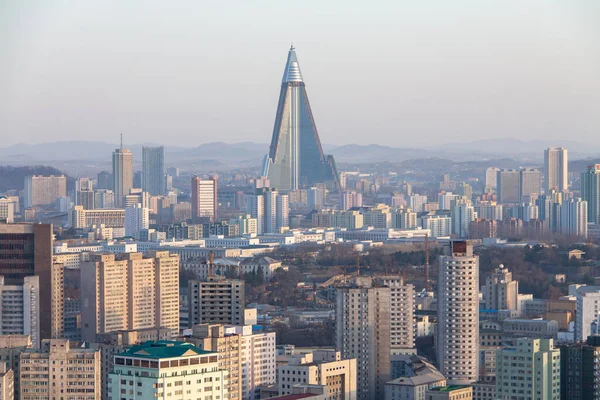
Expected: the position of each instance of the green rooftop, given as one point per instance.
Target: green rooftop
(164, 349)
(449, 388)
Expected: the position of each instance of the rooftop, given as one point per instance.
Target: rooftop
(164, 349)
(449, 388)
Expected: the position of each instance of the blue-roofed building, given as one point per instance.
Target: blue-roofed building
(167, 370)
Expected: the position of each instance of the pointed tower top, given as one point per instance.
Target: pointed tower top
(292, 68)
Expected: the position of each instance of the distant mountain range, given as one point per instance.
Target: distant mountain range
(229, 155)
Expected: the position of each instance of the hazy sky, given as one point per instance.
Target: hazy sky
(397, 72)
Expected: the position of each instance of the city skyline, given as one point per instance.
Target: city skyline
(473, 88)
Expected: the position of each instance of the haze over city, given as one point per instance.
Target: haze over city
(400, 73)
(300, 200)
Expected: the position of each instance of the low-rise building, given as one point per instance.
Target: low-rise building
(534, 328)
(322, 367)
(453, 392)
(413, 376)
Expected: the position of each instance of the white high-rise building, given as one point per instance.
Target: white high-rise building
(271, 210)
(204, 198)
(463, 213)
(588, 311)
(458, 314)
(20, 309)
(363, 313)
(489, 210)
(574, 218)
(350, 199)
(491, 177)
(136, 219)
(259, 363)
(255, 207)
(402, 313)
(530, 184)
(439, 225)
(44, 190)
(417, 201)
(122, 174)
(556, 169)
(445, 200)
(404, 219)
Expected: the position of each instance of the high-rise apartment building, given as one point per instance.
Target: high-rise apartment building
(104, 180)
(324, 368)
(136, 219)
(530, 370)
(574, 218)
(204, 198)
(153, 170)
(462, 213)
(402, 313)
(315, 198)
(58, 370)
(363, 332)
(350, 199)
(44, 190)
(270, 208)
(590, 192)
(489, 210)
(580, 370)
(258, 359)
(212, 337)
(27, 251)
(122, 174)
(458, 313)
(216, 301)
(296, 158)
(129, 291)
(20, 308)
(501, 291)
(530, 184)
(491, 177)
(417, 202)
(587, 312)
(438, 225)
(246, 224)
(445, 200)
(508, 186)
(556, 169)
(404, 219)
(167, 370)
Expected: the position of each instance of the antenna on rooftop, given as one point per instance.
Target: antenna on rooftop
(121, 141)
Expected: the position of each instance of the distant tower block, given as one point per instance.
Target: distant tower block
(296, 158)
